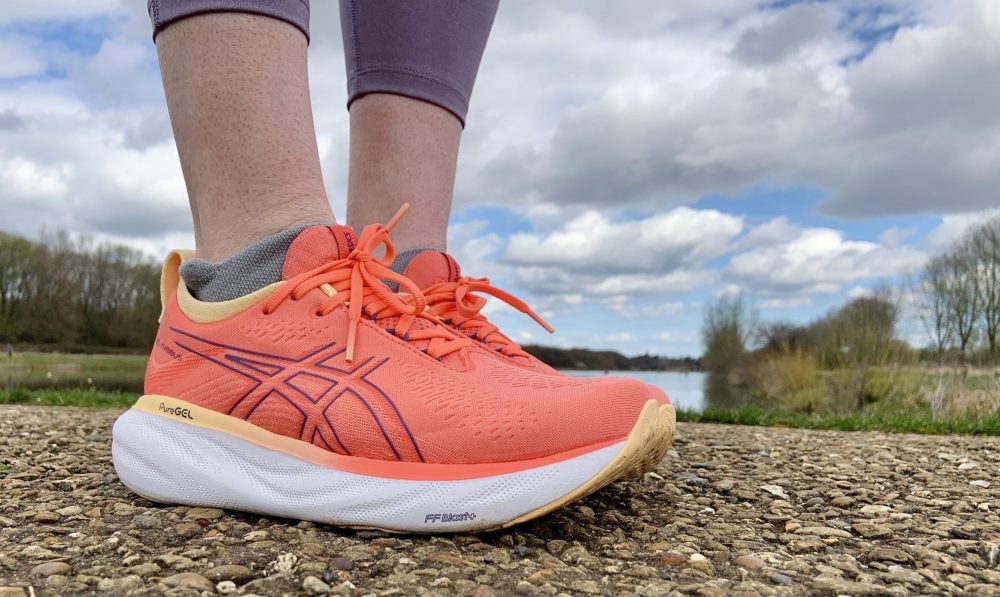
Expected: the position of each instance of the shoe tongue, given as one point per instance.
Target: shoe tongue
(315, 246)
(430, 267)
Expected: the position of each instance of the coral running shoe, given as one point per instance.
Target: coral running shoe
(327, 397)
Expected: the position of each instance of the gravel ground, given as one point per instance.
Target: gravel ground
(731, 510)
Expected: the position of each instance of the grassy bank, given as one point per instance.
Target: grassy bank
(895, 421)
(57, 360)
(85, 397)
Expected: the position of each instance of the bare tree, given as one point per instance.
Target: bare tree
(962, 271)
(985, 244)
(932, 292)
(727, 328)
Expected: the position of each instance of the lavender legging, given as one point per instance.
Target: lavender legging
(424, 49)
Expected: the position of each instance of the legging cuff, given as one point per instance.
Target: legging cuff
(165, 12)
(409, 83)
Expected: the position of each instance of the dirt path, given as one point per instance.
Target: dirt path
(732, 510)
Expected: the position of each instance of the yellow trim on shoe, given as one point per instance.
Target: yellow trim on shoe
(204, 312)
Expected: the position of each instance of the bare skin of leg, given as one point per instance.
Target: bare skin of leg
(238, 96)
(402, 149)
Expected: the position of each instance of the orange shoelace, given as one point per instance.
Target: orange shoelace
(456, 305)
(357, 282)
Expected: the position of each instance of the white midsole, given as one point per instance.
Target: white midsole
(173, 462)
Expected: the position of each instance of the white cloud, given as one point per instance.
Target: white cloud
(656, 119)
(629, 308)
(592, 242)
(817, 261)
(953, 226)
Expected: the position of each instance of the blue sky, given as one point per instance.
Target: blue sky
(621, 166)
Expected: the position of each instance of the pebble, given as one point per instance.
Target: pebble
(672, 558)
(750, 562)
(875, 509)
(189, 580)
(889, 554)
(315, 586)
(872, 531)
(234, 572)
(50, 568)
(775, 490)
(781, 579)
(206, 513)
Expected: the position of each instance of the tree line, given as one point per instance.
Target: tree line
(958, 295)
(75, 294)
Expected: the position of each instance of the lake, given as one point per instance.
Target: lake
(692, 391)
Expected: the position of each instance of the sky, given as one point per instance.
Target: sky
(623, 164)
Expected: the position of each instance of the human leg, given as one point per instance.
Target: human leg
(411, 69)
(238, 96)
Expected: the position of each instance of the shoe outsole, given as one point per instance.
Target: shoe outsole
(647, 444)
(137, 452)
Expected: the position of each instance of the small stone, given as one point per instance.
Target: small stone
(69, 511)
(143, 570)
(780, 579)
(806, 545)
(672, 558)
(967, 466)
(189, 580)
(187, 529)
(875, 509)
(206, 513)
(122, 509)
(980, 483)
(556, 546)
(147, 522)
(341, 563)
(226, 587)
(11, 592)
(45, 516)
(175, 562)
(872, 531)
(750, 562)
(50, 568)
(725, 485)
(701, 564)
(842, 501)
(234, 572)
(823, 532)
(315, 586)
(483, 591)
(816, 501)
(588, 587)
(889, 554)
(524, 587)
(775, 490)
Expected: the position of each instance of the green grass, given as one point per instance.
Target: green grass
(87, 397)
(888, 421)
(81, 361)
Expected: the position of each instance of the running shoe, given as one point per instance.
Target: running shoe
(328, 397)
